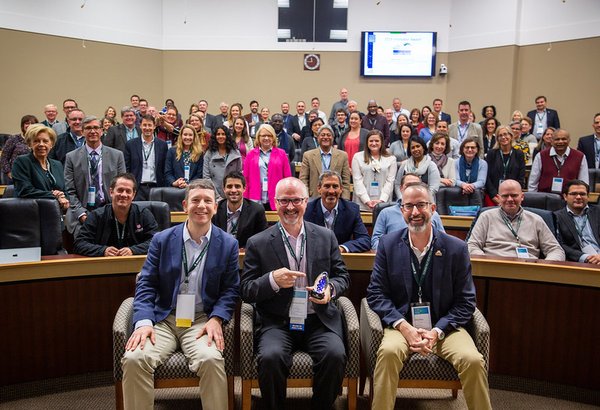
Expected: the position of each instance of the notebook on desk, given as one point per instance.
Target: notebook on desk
(18, 255)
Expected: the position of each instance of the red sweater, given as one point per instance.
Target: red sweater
(568, 171)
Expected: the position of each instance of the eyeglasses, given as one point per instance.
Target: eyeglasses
(76, 119)
(92, 128)
(287, 201)
(470, 148)
(513, 196)
(581, 194)
(420, 206)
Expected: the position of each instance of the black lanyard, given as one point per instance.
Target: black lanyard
(556, 163)
(290, 249)
(420, 276)
(505, 164)
(195, 264)
(511, 229)
(148, 152)
(120, 234)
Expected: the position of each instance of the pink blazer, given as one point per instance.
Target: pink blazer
(278, 168)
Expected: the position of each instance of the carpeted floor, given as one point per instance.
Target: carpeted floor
(70, 393)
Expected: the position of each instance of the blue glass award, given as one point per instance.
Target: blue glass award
(320, 285)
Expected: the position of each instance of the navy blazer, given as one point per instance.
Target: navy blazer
(158, 284)
(568, 237)
(64, 145)
(390, 291)
(551, 119)
(174, 167)
(134, 160)
(265, 252)
(586, 145)
(348, 227)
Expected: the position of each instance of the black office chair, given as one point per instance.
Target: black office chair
(9, 192)
(160, 210)
(453, 196)
(380, 207)
(171, 195)
(543, 200)
(28, 223)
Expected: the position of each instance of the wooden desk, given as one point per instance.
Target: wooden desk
(2, 188)
(543, 316)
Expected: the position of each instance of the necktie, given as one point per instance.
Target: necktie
(95, 175)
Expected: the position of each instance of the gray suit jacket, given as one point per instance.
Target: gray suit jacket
(473, 130)
(77, 179)
(116, 137)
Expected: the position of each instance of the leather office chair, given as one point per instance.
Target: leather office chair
(175, 371)
(28, 223)
(171, 195)
(431, 371)
(543, 200)
(301, 371)
(447, 196)
(378, 208)
(594, 175)
(161, 212)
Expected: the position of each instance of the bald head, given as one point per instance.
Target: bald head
(511, 196)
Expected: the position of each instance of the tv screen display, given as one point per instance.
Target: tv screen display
(398, 54)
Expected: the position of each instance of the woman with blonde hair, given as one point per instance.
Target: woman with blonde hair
(197, 122)
(185, 160)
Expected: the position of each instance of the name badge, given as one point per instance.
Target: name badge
(522, 252)
(91, 196)
(169, 143)
(184, 312)
(539, 131)
(298, 309)
(265, 184)
(374, 190)
(186, 172)
(557, 184)
(421, 315)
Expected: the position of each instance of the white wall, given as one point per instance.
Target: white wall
(252, 24)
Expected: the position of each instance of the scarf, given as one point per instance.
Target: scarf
(440, 161)
(463, 166)
(419, 170)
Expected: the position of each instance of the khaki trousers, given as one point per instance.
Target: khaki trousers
(457, 348)
(207, 362)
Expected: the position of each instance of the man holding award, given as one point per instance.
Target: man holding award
(292, 271)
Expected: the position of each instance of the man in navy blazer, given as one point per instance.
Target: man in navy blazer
(542, 117)
(590, 145)
(145, 158)
(337, 214)
(187, 289)
(422, 289)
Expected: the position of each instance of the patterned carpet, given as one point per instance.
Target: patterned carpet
(95, 391)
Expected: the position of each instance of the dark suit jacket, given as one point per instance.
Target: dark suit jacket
(134, 159)
(77, 179)
(296, 125)
(158, 284)
(390, 291)
(446, 117)
(210, 122)
(265, 252)
(567, 233)
(586, 145)
(174, 168)
(30, 179)
(551, 119)
(64, 145)
(95, 235)
(116, 137)
(348, 227)
(252, 220)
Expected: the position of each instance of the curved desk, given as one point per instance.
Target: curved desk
(543, 315)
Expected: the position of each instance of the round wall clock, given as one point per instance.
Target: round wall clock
(312, 62)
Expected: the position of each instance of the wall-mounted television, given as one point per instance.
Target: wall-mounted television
(398, 54)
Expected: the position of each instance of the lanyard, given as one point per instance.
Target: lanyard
(505, 163)
(420, 277)
(464, 133)
(120, 234)
(147, 152)
(291, 250)
(186, 158)
(541, 117)
(510, 227)
(580, 228)
(194, 264)
(556, 164)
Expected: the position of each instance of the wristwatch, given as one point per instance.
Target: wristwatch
(440, 332)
